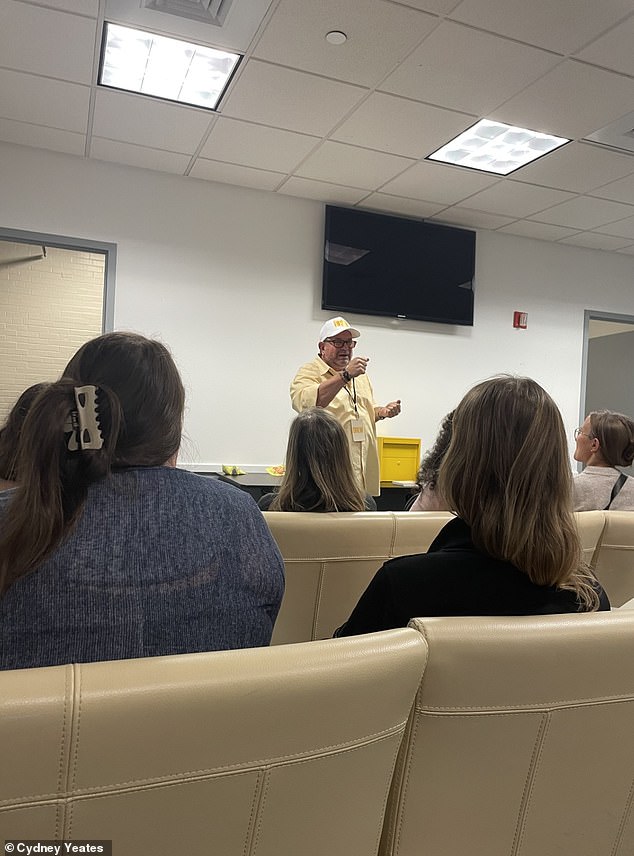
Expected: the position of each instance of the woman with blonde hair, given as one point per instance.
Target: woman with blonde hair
(604, 443)
(513, 548)
(319, 475)
(107, 551)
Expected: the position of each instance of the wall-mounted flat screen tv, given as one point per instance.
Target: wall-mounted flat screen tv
(375, 264)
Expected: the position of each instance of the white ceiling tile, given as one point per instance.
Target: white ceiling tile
(400, 205)
(619, 191)
(614, 50)
(40, 137)
(540, 231)
(27, 98)
(459, 216)
(42, 41)
(558, 25)
(438, 7)
(379, 36)
(584, 213)
(401, 126)
(438, 183)
(228, 173)
(80, 7)
(149, 122)
(628, 250)
(256, 145)
(484, 70)
(307, 188)
(352, 166)
(596, 241)
(294, 100)
(141, 156)
(577, 167)
(572, 100)
(620, 229)
(516, 200)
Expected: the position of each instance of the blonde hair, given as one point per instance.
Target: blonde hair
(319, 474)
(507, 474)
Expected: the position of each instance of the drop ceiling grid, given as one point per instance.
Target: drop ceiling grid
(352, 124)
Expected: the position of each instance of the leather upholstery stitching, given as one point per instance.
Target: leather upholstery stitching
(400, 813)
(61, 778)
(624, 820)
(320, 586)
(531, 775)
(457, 710)
(257, 791)
(248, 766)
(260, 810)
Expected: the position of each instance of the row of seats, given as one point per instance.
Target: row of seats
(331, 558)
(456, 736)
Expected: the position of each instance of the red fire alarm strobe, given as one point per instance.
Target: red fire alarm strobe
(520, 320)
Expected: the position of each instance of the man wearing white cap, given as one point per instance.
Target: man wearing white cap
(337, 380)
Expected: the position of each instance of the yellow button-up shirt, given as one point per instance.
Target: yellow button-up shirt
(364, 454)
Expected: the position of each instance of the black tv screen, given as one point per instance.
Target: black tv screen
(375, 264)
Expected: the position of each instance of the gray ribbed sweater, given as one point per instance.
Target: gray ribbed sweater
(161, 561)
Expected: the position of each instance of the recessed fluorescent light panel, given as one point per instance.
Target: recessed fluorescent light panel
(164, 67)
(495, 147)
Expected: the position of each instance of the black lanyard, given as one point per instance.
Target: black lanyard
(352, 396)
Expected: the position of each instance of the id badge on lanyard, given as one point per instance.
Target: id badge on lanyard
(358, 434)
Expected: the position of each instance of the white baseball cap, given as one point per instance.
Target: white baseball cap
(337, 325)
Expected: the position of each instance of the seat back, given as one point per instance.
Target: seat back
(331, 558)
(264, 751)
(590, 526)
(521, 742)
(613, 561)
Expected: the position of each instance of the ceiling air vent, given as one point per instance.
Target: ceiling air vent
(618, 135)
(206, 11)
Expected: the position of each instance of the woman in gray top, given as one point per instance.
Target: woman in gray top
(604, 442)
(107, 551)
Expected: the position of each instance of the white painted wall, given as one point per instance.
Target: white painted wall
(230, 279)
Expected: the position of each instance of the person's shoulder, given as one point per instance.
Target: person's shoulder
(187, 484)
(314, 368)
(265, 501)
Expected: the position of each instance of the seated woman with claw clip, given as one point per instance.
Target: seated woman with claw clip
(107, 551)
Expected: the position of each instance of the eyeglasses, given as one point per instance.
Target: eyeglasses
(580, 433)
(341, 343)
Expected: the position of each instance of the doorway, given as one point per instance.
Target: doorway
(608, 358)
(55, 294)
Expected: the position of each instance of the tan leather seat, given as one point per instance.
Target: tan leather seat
(274, 751)
(613, 561)
(521, 742)
(590, 526)
(331, 558)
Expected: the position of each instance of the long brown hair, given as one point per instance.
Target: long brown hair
(507, 474)
(319, 474)
(140, 402)
(615, 433)
(11, 430)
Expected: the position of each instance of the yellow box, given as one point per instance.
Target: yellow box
(399, 458)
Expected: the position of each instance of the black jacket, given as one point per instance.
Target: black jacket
(453, 578)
